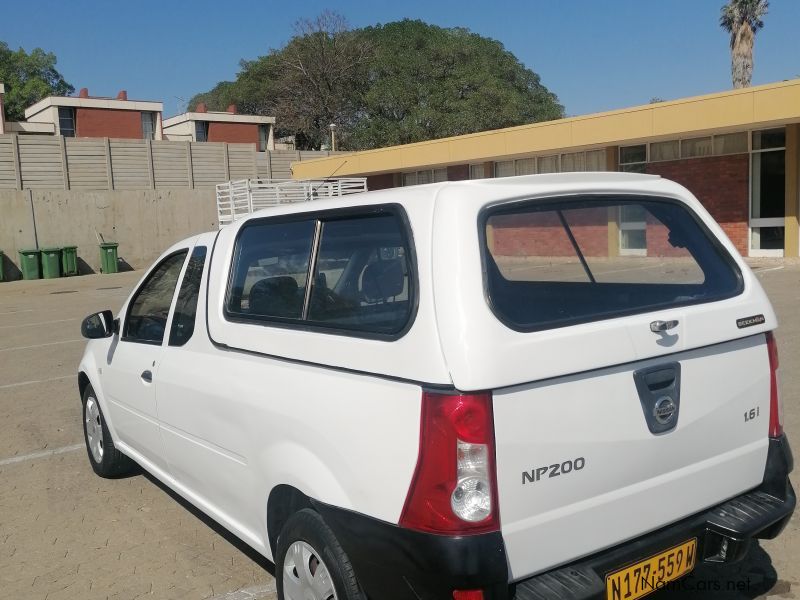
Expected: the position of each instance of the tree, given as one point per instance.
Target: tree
(427, 82)
(390, 84)
(29, 78)
(315, 80)
(742, 19)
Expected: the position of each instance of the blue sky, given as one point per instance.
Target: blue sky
(595, 55)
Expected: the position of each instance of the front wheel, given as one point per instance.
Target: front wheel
(105, 459)
(310, 563)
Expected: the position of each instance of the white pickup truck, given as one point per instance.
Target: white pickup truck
(467, 390)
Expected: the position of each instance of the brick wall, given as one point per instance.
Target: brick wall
(104, 122)
(380, 182)
(457, 172)
(235, 133)
(541, 234)
(721, 183)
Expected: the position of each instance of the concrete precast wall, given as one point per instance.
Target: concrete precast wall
(143, 222)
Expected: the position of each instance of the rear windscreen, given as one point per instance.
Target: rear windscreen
(562, 262)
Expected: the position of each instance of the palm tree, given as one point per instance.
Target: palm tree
(742, 19)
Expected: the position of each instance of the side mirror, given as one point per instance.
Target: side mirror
(99, 325)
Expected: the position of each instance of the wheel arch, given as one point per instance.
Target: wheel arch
(284, 500)
(83, 383)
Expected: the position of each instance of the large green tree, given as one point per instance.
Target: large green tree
(396, 83)
(28, 78)
(428, 82)
(742, 19)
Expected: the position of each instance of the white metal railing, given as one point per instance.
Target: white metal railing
(237, 199)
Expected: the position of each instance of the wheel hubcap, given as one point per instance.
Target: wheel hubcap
(94, 430)
(305, 575)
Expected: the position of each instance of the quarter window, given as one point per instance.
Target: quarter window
(361, 276)
(186, 306)
(147, 315)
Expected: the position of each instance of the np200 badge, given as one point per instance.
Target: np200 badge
(554, 470)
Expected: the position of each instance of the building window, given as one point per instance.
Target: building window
(731, 143)
(148, 125)
(201, 131)
(633, 159)
(525, 166)
(263, 137)
(632, 230)
(768, 192)
(504, 168)
(670, 150)
(66, 121)
(426, 176)
(595, 160)
(571, 162)
(548, 164)
(696, 147)
(477, 171)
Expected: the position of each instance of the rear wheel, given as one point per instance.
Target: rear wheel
(310, 563)
(105, 459)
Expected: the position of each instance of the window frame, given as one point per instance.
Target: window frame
(204, 126)
(150, 117)
(506, 207)
(124, 337)
(179, 288)
(318, 217)
(71, 117)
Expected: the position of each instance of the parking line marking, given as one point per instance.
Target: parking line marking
(34, 324)
(41, 345)
(11, 385)
(14, 312)
(757, 271)
(251, 593)
(42, 454)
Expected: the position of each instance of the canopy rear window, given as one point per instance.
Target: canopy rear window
(568, 261)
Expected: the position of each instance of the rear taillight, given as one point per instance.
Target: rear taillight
(467, 595)
(775, 404)
(454, 489)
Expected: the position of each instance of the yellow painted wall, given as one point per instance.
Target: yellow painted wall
(749, 108)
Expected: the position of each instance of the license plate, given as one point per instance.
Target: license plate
(648, 575)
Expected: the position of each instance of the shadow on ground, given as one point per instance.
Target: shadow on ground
(234, 541)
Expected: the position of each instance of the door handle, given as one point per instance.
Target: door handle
(661, 326)
(147, 376)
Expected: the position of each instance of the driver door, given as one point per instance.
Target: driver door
(133, 360)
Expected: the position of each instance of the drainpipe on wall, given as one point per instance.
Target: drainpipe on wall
(791, 225)
(2, 109)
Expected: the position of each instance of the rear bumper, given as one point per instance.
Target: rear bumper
(395, 563)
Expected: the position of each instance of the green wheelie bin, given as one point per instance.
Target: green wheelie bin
(69, 260)
(51, 263)
(108, 257)
(29, 264)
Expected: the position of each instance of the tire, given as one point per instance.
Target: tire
(306, 540)
(105, 459)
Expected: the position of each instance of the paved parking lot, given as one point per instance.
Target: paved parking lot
(65, 533)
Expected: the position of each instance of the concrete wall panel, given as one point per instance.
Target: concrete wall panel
(143, 222)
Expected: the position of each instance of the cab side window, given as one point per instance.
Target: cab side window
(186, 306)
(147, 316)
(341, 271)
